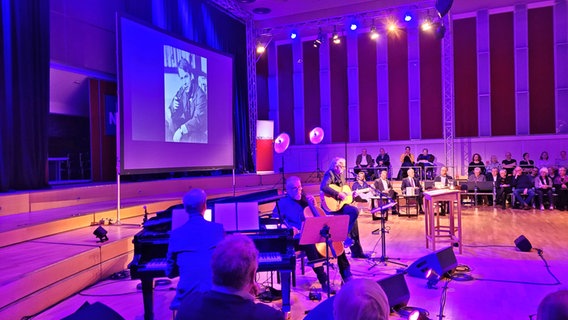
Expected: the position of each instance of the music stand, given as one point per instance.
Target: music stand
(326, 229)
(383, 209)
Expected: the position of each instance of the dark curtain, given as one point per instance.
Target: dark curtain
(24, 94)
(203, 23)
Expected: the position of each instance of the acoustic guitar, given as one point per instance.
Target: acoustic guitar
(336, 248)
(331, 204)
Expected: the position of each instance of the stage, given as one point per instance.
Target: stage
(507, 283)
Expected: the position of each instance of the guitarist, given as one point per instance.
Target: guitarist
(290, 210)
(334, 176)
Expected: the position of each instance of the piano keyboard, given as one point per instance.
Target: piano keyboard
(156, 264)
(269, 257)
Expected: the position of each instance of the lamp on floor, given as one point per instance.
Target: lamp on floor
(101, 234)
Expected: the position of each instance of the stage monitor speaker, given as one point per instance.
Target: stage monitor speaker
(441, 261)
(94, 311)
(523, 243)
(443, 7)
(396, 289)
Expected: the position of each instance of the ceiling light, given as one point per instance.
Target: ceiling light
(293, 35)
(426, 25)
(353, 27)
(335, 36)
(392, 26)
(407, 17)
(319, 40)
(260, 48)
(373, 33)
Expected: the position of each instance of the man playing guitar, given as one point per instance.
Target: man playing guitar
(333, 188)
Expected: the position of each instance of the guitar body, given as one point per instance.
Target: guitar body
(331, 204)
(313, 211)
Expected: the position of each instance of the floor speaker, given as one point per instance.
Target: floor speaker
(95, 311)
(523, 244)
(441, 261)
(396, 289)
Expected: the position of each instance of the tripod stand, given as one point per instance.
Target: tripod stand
(318, 174)
(383, 231)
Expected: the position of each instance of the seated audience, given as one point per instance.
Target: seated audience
(493, 163)
(362, 162)
(552, 173)
(492, 176)
(361, 299)
(290, 210)
(385, 186)
(447, 181)
(383, 160)
(360, 184)
(412, 182)
(562, 161)
(509, 163)
(234, 263)
(527, 164)
(543, 184)
(561, 188)
(523, 187)
(477, 176)
(554, 306)
(503, 187)
(544, 161)
(426, 162)
(476, 162)
(191, 246)
(406, 162)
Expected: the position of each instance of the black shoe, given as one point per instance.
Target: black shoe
(421, 211)
(394, 213)
(360, 256)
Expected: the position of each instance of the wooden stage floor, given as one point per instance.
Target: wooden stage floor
(508, 284)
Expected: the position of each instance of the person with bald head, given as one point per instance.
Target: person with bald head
(554, 306)
(361, 299)
(191, 246)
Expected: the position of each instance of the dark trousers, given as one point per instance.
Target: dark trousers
(562, 200)
(313, 254)
(502, 196)
(353, 228)
(540, 196)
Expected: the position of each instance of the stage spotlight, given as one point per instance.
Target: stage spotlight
(353, 27)
(407, 17)
(335, 36)
(433, 278)
(260, 48)
(373, 33)
(101, 234)
(392, 27)
(319, 39)
(293, 35)
(426, 25)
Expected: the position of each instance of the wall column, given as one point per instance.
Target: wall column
(521, 70)
(561, 64)
(383, 87)
(325, 91)
(414, 82)
(298, 78)
(483, 74)
(353, 87)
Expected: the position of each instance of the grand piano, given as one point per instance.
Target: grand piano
(276, 249)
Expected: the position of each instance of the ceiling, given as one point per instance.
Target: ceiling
(290, 12)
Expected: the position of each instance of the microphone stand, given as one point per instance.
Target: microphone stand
(383, 209)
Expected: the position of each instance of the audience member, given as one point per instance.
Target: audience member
(383, 160)
(191, 246)
(425, 161)
(492, 176)
(503, 187)
(234, 263)
(361, 184)
(493, 163)
(330, 187)
(509, 163)
(477, 176)
(362, 162)
(412, 182)
(523, 186)
(562, 161)
(544, 161)
(385, 186)
(561, 187)
(361, 299)
(290, 210)
(406, 162)
(476, 162)
(446, 181)
(543, 184)
(552, 173)
(526, 164)
(554, 306)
